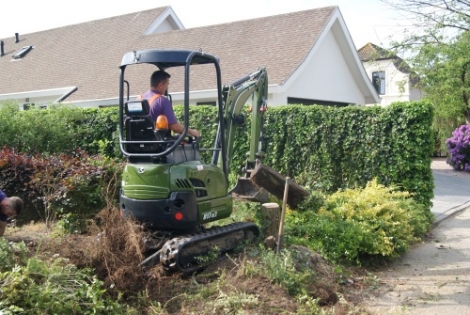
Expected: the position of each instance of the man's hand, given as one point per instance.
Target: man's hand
(194, 133)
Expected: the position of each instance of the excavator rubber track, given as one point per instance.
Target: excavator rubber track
(186, 253)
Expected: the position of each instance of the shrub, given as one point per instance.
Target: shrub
(459, 149)
(11, 254)
(59, 184)
(320, 147)
(355, 224)
(59, 129)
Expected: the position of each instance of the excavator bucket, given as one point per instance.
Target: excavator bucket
(274, 182)
(245, 189)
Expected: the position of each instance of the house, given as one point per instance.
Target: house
(309, 56)
(390, 75)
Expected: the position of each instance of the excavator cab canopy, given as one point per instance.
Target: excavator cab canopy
(165, 59)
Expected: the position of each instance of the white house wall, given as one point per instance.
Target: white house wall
(396, 82)
(165, 26)
(211, 96)
(39, 97)
(326, 76)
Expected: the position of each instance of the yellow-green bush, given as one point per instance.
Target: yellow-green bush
(356, 224)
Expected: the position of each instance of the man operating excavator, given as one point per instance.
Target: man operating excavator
(160, 105)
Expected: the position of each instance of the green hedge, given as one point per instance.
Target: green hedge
(60, 129)
(320, 147)
(335, 148)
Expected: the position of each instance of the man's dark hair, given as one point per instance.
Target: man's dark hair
(16, 204)
(158, 76)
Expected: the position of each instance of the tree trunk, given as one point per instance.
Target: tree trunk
(271, 215)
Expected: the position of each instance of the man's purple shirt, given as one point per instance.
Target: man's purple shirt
(2, 216)
(161, 106)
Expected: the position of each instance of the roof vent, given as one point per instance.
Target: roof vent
(2, 52)
(22, 52)
(17, 38)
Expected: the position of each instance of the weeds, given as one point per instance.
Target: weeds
(209, 257)
(233, 303)
(54, 287)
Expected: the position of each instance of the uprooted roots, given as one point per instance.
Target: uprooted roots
(113, 248)
(119, 249)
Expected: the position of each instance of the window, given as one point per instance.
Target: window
(206, 103)
(28, 106)
(305, 101)
(378, 81)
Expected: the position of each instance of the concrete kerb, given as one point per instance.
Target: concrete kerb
(451, 213)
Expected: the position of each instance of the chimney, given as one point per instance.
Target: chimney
(2, 52)
(17, 36)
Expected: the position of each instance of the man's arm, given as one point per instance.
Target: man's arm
(2, 196)
(173, 122)
(179, 128)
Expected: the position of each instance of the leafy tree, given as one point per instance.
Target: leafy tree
(438, 45)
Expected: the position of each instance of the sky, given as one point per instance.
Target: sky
(367, 20)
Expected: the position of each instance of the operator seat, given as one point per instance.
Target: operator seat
(140, 127)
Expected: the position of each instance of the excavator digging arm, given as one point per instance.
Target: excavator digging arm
(236, 95)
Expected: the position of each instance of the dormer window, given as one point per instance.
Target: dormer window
(22, 52)
(378, 81)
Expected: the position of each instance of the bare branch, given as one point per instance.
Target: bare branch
(448, 14)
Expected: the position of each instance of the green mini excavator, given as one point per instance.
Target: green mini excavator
(166, 186)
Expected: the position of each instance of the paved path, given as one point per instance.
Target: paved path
(433, 278)
(451, 194)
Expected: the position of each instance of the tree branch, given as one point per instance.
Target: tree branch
(462, 77)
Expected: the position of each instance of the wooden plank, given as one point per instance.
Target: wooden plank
(274, 183)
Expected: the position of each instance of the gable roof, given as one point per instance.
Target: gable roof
(87, 55)
(371, 52)
(280, 43)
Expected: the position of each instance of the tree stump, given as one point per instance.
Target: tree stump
(271, 215)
